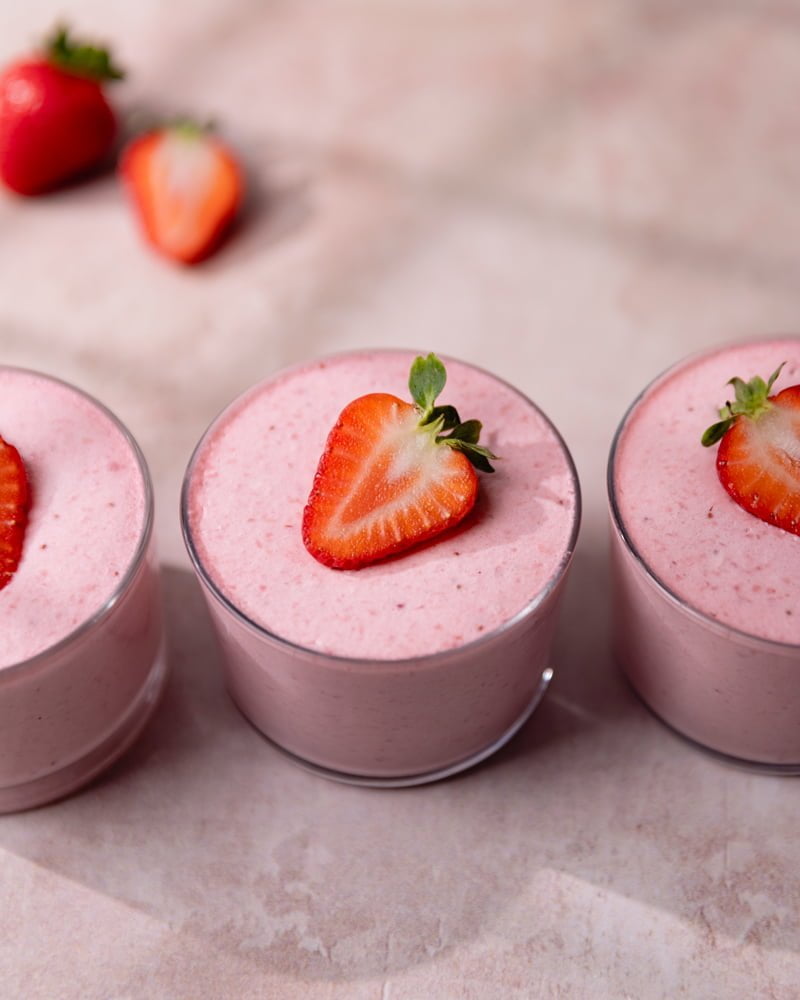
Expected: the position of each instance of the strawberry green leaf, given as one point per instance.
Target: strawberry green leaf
(469, 432)
(426, 381)
(478, 455)
(752, 399)
(774, 376)
(740, 388)
(716, 432)
(80, 58)
(755, 389)
(448, 414)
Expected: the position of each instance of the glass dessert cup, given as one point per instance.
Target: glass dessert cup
(71, 709)
(726, 689)
(381, 721)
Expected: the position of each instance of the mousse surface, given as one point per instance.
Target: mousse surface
(86, 518)
(696, 540)
(252, 478)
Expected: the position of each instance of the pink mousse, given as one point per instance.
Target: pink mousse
(697, 541)
(252, 479)
(87, 516)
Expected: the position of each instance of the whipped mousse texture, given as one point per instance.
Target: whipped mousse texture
(87, 514)
(252, 477)
(703, 547)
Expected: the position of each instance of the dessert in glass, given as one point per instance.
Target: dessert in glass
(409, 668)
(82, 658)
(705, 550)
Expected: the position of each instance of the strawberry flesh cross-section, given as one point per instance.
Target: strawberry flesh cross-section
(758, 460)
(393, 474)
(14, 505)
(186, 186)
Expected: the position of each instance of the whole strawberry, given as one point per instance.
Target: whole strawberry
(55, 122)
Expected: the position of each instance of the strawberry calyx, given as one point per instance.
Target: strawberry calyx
(751, 401)
(426, 382)
(80, 58)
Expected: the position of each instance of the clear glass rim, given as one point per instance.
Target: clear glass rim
(365, 662)
(616, 517)
(139, 553)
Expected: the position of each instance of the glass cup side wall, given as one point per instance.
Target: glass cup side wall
(69, 712)
(387, 719)
(731, 692)
(737, 696)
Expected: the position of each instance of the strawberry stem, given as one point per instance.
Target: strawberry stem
(80, 58)
(752, 399)
(425, 382)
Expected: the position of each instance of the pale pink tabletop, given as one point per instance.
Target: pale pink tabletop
(571, 194)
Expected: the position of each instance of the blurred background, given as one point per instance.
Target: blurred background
(570, 194)
(573, 195)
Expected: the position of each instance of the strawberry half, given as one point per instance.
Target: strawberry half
(14, 504)
(55, 122)
(390, 477)
(186, 187)
(758, 461)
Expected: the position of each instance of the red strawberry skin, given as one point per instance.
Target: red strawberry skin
(15, 501)
(758, 462)
(54, 125)
(383, 485)
(186, 187)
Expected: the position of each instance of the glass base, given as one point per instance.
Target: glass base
(426, 777)
(755, 766)
(77, 773)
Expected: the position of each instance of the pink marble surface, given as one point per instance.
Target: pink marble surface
(573, 195)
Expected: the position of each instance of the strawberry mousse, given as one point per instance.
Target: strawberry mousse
(706, 591)
(411, 666)
(81, 657)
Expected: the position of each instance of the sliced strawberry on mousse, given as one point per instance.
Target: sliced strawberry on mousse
(14, 503)
(758, 461)
(393, 474)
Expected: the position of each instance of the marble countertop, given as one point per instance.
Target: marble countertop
(571, 194)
